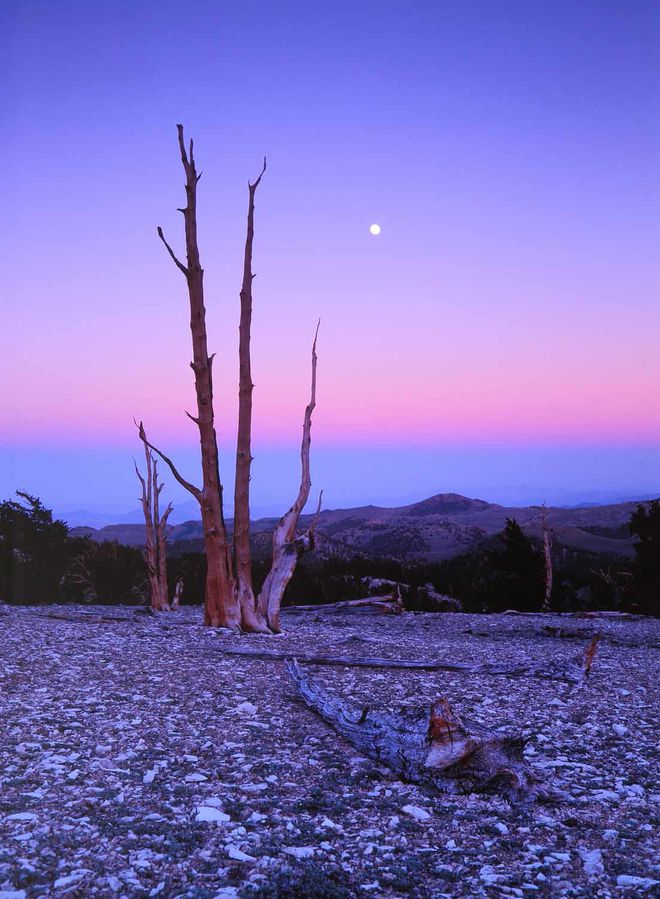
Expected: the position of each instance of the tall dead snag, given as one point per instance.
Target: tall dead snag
(251, 620)
(230, 600)
(431, 746)
(155, 553)
(221, 604)
(287, 547)
(263, 613)
(547, 558)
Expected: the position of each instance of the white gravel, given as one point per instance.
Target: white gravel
(138, 760)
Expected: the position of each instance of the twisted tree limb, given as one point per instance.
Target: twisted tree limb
(195, 491)
(431, 746)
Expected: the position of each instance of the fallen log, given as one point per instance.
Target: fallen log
(572, 671)
(608, 616)
(391, 604)
(564, 633)
(431, 746)
(88, 619)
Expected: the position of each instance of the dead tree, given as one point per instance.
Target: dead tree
(250, 619)
(155, 551)
(178, 590)
(430, 746)
(229, 595)
(547, 558)
(287, 545)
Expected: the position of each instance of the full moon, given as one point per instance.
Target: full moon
(374, 229)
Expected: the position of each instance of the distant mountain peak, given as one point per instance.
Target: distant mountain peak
(448, 504)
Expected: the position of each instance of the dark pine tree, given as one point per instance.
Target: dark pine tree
(518, 572)
(33, 551)
(645, 527)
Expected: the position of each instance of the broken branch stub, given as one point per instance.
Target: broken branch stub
(590, 654)
(428, 746)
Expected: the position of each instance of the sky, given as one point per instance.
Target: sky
(498, 337)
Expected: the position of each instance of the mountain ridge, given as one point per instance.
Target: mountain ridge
(435, 528)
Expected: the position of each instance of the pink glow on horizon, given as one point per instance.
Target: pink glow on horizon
(383, 382)
(511, 297)
(392, 416)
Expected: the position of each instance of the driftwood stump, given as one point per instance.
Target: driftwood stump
(431, 746)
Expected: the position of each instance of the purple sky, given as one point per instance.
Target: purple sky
(499, 337)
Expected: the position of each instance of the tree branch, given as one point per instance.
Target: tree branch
(286, 529)
(196, 492)
(177, 261)
(253, 186)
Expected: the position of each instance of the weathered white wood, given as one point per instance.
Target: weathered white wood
(390, 604)
(433, 746)
(178, 590)
(287, 547)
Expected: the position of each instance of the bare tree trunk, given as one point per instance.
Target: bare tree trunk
(160, 524)
(251, 620)
(230, 600)
(547, 557)
(155, 553)
(287, 548)
(178, 590)
(221, 605)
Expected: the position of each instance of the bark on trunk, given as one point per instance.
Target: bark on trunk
(221, 605)
(230, 600)
(432, 746)
(251, 620)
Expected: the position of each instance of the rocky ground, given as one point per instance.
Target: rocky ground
(137, 759)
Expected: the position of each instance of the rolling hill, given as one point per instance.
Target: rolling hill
(436, 528)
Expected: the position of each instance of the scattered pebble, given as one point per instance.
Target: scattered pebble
(139, 760)
(419, 814)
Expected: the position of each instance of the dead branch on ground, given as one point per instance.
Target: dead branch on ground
(391, 604)
(571, 671)
(431, 746)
